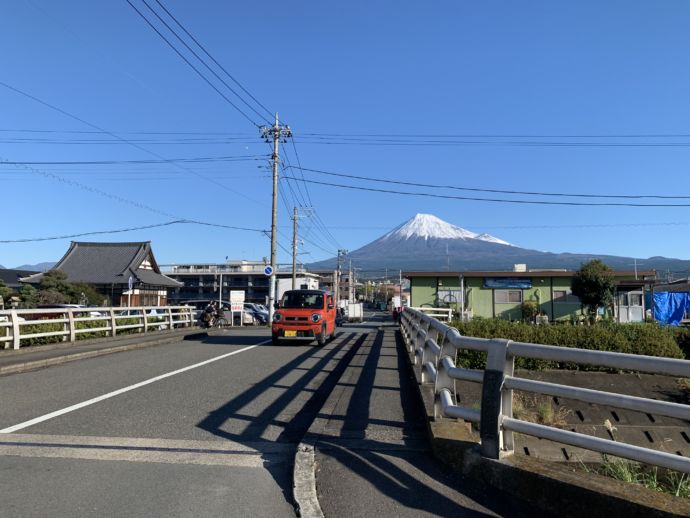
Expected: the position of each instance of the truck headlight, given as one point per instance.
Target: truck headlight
(277, 317)
(316, 317)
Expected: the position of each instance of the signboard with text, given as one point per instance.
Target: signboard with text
(236, 300)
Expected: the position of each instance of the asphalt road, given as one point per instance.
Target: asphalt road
(209, 427)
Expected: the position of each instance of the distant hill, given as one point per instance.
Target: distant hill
(40, 267)
(427, 243)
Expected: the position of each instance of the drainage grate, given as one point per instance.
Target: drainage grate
(651, 418)
(615, 416)
(579, 414)
(565, 454)
(648, 436)
(526, 450)
(685, 436)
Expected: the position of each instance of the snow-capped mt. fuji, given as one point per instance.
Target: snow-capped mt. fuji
(429, 226)
(427, 243)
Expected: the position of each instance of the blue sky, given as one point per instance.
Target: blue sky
(505, 77)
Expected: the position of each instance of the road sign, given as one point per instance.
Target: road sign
(268, 271)
(236, 300)
(130, 282)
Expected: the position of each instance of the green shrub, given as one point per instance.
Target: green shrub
(643, 338)
(682, 336)
(48, 327)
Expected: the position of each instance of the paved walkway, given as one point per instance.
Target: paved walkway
(372, 452)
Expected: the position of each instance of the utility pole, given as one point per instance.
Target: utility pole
(341, 252)
(294, 248)
(275, 133)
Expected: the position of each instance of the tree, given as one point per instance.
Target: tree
(594, 284)
(28, 295)
(49, 297)
(5, 292)
(55, 280)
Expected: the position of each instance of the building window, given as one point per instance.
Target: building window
(508, 296)
(565, 297)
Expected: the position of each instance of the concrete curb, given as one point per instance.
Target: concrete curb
(557, 488)
(18, 368)
(304, 482)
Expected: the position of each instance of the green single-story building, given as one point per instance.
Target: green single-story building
(500, 294)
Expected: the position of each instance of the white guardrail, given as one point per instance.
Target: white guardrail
(14, 323)
(435, 345)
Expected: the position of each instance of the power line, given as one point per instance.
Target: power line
(499, 135)
(83, 132)
(137, 146)
(493, 200)
(270, 112)
(500, 191)
(130, 229)
(203, 62)
(517, 143)
(182, 56)
(239, 158)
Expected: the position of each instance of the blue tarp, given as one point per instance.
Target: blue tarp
(670, 307)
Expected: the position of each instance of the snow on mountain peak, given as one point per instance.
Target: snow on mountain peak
(429, 226)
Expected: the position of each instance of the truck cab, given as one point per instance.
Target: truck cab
(304, 315)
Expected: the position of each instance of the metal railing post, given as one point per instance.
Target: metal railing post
(14, 319)
(491, 412)
(507, 406)
(71, 326)
(170, 317)
(113, 322)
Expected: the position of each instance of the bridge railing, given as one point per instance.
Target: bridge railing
(435, 345)
(66, 324)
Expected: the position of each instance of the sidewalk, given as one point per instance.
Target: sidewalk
(371, 446)
(39, 356)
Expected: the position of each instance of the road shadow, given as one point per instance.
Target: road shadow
(406, 473)
(311, 363)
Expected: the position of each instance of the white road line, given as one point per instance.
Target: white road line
(83, 404)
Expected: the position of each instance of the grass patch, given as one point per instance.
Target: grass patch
(651, 477)
(654, 478)
(538, 408)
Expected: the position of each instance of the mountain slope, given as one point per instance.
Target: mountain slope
(427, 243)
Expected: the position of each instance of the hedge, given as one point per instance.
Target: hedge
(648, 339)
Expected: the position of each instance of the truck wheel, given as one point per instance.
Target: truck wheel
(321, 337)
(274, 339)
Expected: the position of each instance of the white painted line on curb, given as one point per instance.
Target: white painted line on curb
(83, 404)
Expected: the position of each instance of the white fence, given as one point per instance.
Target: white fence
(14, 323)
(443, 314)
(435, 346)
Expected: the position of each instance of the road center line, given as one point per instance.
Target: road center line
(83, 404)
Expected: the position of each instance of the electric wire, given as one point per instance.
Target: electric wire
(270, 113)
(499, 191)
(130, 229)
(495, 200)
(182, 56)
(239, 158)
(135, 145)
(198, 57)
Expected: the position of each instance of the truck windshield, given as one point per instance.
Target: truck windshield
(297, 299)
